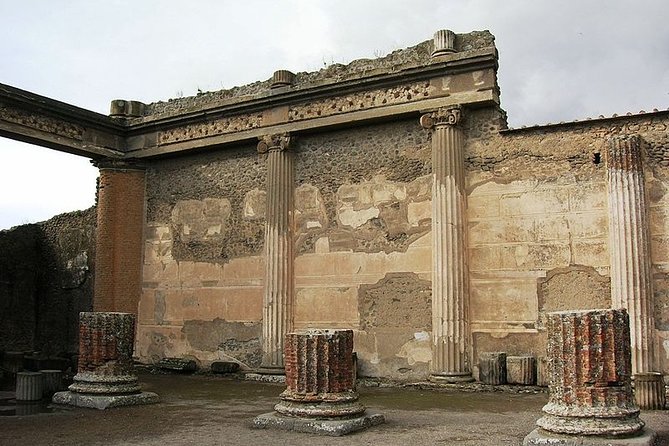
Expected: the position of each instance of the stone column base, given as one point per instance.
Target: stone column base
(333, 427)
(452, 378)
(540, 437)
(104, 401)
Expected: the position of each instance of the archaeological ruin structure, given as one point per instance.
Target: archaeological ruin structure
(590, 372)
(387, 197)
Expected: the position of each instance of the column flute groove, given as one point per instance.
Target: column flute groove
(450, 280)
(279, 278)
(629, 241)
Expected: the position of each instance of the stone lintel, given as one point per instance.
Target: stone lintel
(129, 132)
(35, 119)
(381, 114)
(457, 63)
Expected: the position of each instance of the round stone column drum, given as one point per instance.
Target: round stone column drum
(319, 375)
(105, 354)
(590, 372)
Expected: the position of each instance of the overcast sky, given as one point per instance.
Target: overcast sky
(559, 61)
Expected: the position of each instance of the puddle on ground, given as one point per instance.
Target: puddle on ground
(13, 408)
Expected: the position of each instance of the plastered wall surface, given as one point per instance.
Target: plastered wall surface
(537, 234)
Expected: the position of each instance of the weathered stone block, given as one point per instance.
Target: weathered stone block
(177, 365)
(649, 391)
(224, 367)
(29, 386)
(52, 382)
(521, 370)
(492, 368)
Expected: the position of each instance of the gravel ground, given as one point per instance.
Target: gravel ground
(209, 410)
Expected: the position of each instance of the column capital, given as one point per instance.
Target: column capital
(442, 116)
(118, 164)
(270, 143)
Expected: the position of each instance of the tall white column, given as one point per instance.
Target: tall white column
(629, 245)
(279, 279)
(450, 279)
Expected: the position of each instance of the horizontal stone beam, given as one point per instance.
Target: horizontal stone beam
(35, 119)
(146, 146)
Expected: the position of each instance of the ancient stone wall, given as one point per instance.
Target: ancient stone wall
(537, 235)
(203, 265)
(46, 279)
(538, 226)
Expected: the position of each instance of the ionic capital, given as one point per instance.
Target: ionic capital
(442, 116)
(269, 143)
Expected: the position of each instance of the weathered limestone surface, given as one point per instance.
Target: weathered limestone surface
(105, 377)
(537, 233)
(521, 370)
(492, 368)
(279, 260)
(631, 284)
(29, 386)
(649, 391)
(320, 396)
(450, 278)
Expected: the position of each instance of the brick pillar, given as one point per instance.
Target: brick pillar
(629, 242)
(590, 374)
(279, 279)
(120, 225)
(319, 375)
(450, 286)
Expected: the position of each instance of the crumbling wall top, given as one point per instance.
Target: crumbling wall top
(412, 57)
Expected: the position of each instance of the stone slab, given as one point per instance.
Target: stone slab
(104, 401)
(177, 365)
(224, 367)
(540, 437)
(261, 377)
(333, 428)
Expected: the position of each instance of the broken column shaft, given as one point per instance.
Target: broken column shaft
(320, 395)
(105, 376)
(590, 374)
(319, 375)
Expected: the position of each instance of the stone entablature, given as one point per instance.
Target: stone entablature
(46, 122)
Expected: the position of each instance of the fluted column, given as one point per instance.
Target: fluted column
(320, 395)
(590, 375)
(279, 280)
(105, 375)
(319, 375)
(629, 245)
(450, 327)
